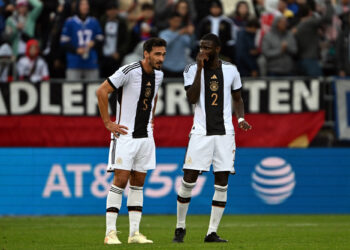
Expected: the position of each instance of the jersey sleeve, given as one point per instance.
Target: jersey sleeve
(98, 32)
(189, 75)
(237, 83)
(66, 33)
(118, 79)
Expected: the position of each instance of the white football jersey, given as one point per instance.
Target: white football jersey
(135, 97)
(213, 111)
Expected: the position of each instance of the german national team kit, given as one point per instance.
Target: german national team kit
(135, 101)
(212, 138)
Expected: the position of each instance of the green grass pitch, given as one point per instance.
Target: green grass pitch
(243, 232)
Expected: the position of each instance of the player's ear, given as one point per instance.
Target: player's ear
(218, 49)
(145, 54)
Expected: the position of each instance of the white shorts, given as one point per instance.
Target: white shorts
(129, 153)
(216, 150)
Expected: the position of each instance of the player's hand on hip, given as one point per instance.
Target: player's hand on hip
(244, 125)
(116, 129)
(201, 57)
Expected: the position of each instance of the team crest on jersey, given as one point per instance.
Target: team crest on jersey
(188, 160)
(119, 161)
(214, 85)
(148, 92)
(149, 84)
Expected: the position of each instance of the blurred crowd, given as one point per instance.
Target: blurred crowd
(90, 39)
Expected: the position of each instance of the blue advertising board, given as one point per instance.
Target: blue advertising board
(60, 181)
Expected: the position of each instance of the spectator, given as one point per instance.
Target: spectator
(278, 47)
(32, 67)
(81, 36)
(6, 61)
(342, 7)
(241, 14)
(308, 39)
(20, 26)
(186, 10)
(116, 40)
(178, 46)
(55, 54)
(259, 7)
(246, 50)
(203, 9)
(145, 26)
(221, 26)
(343, 48)
(283, 8)
(135, 55)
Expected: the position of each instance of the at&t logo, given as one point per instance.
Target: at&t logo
(273, 180)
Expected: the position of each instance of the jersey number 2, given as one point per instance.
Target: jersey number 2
(215, 98)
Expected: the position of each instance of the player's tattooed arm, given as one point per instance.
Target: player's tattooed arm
(102, 96)
(239, 110)
(194, 91)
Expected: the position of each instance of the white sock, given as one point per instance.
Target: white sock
(183, 201)
(114, 202)
(135, 203)
(217, 209)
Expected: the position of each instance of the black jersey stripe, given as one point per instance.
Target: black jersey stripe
(144, 105)
(120, 100)
(187, 68)
(127, 71)
(110, 83)
(130, 66)
(214, 101)
(236, 90)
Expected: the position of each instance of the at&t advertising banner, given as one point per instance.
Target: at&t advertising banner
(39, 181)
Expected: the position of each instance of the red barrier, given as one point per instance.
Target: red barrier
(269, 130)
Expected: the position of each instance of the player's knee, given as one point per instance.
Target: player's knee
(120, 182)
(221, 178)
(190, 176)
(137, 180)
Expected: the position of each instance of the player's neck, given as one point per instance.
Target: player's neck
(146, 66)
(213, 64)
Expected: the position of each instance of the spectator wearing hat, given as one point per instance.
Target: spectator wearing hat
(116, 40)
(221, 26)
(20, 26)
(279, 47)
(81, 37)
(32, 67)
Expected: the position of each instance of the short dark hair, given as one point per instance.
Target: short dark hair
(304, 10)
(153, 42)
(147, 6)
(174, 14)
(212, 37)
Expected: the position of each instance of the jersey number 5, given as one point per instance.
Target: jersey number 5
(145, 106)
